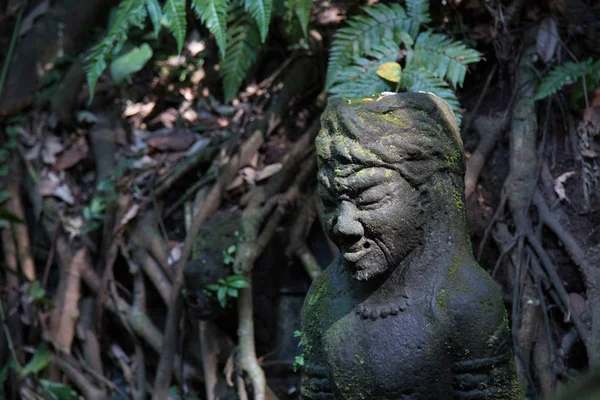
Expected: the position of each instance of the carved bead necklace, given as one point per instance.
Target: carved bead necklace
(383, 312)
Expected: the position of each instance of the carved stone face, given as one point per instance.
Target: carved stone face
(373, 216)
(375, 160)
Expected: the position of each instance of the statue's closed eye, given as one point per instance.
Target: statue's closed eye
(373, 196)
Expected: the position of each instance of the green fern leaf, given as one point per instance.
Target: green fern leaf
(174, 11)
(155, 14)
(302, 10)
(213, 13)
(565, 74)
(444, 57)
(418, 10)
(128, 13)
(418, 79)
(243, 42)
(361, 79)
(364, 32)
(261, 12)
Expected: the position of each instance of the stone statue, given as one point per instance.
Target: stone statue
(404, 311)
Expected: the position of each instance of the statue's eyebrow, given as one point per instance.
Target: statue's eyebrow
(362, 180)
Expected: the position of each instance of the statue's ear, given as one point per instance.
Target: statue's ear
(424, 196)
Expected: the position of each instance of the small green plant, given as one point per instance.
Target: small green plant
(227, 288)
(239, 28)
(229, 255)
(93, 214)
(570, 73)
(365, 55)
(40, 359)
(299, 360)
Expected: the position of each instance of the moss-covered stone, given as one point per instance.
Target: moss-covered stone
(404, 311)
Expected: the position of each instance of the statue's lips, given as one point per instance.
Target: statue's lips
(354, 256)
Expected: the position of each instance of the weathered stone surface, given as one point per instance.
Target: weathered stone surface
(404, 311)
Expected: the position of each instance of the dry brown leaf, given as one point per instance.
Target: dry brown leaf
(172, 140)
(268, 171)
(52, 146)
(76, 152)
(129, 215)
(330, 16)
(145, 162)
(87, 117)
(559, 187)
(72, 224)
(249, 174)
(51, 185)
(167, 118)
(174, 252)
(143, 109)
(547, 39)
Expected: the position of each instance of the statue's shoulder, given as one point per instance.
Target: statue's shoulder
(480, 341)
(320, 288)
(474, 302)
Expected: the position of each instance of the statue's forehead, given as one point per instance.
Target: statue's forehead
(333, 146)
(352, 177)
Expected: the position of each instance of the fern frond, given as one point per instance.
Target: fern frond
(129, 13)
(418, 10)
(261, 12)
(444, 57)
(564, 74)
(174, 11)
(361, 79)
(302, 10)
(364, 32)
(243, 43)
(415, 79)
(213, 13)
(155, 14)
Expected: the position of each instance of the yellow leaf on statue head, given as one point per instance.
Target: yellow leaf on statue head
(390, 71)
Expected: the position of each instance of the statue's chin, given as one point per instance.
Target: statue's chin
(362, 273)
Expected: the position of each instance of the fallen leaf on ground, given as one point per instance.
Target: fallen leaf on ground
(129, 215)
(87, 116)
(144, 163)
(167, 118)
(559, 187)
(237, 182)
(547, 39)
(51, 185)
(268, 171)
(52, 146)
(174, 252)
(76, 152)
(171, 140)
(143, 109)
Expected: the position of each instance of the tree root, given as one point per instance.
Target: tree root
(298, 246)
(66, 313)
(533, 266)
(490, 130)
(300, 76)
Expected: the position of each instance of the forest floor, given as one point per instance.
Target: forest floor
(104, 202)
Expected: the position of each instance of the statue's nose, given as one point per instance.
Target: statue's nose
(347, 227)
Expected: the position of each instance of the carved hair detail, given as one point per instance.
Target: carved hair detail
(384, 133)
